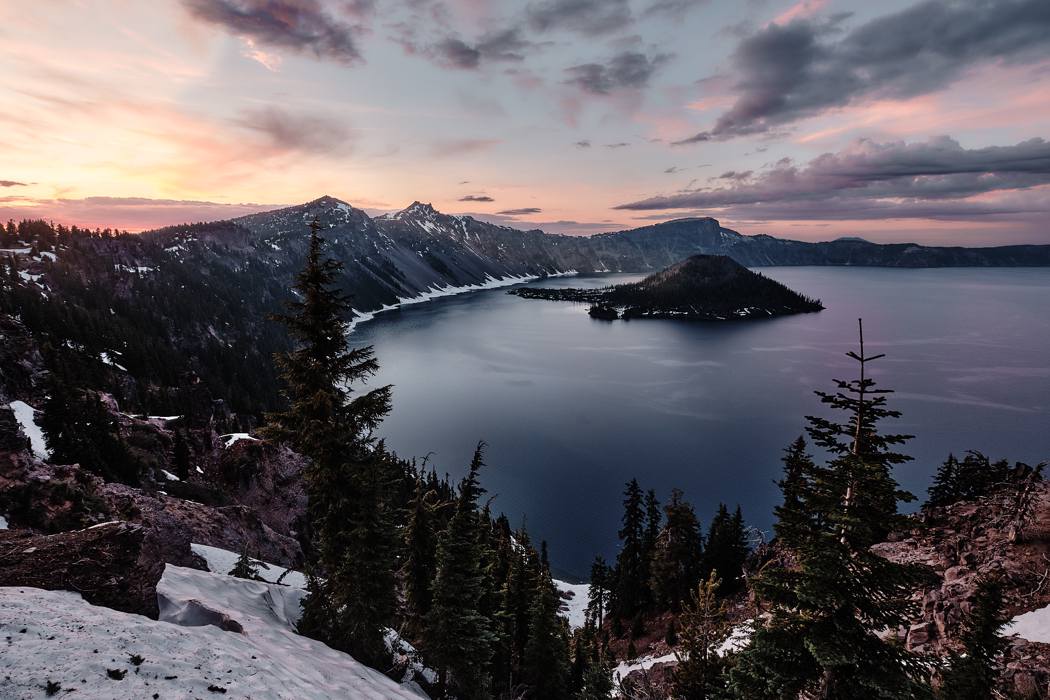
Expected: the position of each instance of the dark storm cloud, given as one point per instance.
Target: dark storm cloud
(626, 70)
(308, 133)
(299, 25)
(785, 73)
(937, 175)
(590, 17)
(477, 198)
(520, 212)
(11, 183)
(457, 54)
(503, 45)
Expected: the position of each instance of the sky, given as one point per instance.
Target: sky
(808, 119)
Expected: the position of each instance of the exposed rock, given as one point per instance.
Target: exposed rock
(49, 498)
(114, 564)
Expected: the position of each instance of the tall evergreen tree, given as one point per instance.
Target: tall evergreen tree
(700, 673)
(794, 521)
(824, 638)
(458, 639)
(598, 592)
(676, 559)
(726, 549)
(80, 429)
(945, 486)
(632, 582)
(973, 674)
(420, 557)
(348, 480)
(545, 667)
(518, 592)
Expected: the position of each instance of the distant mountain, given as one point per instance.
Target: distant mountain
(182, 313)
(701, 287)
(419, 251)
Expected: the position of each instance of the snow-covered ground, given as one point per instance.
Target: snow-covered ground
(1033, 626)
(26, 417)
(450, 290)
(96, 652)
(221, 561)
(737, 640)
(625, 668)
(230, 438)
(575, 603)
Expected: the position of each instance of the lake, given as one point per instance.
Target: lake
(571, 407)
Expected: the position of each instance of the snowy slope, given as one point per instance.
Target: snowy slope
(574, 602)
(56, 636)
(26, 417)
(221, 561)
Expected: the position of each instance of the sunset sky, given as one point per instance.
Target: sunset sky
(816, 119)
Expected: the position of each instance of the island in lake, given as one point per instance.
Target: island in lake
(700, 288)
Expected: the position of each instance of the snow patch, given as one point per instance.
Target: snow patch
(3, 523)
(626, 668)
(574, 602)
(25, 415)
(57, 636)
(106, 359)
(231, 438)
(436, 292)
(169, 476)
(738, 639)
(1033, 626)
(221, 561)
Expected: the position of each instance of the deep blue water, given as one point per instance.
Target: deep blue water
(571, 407)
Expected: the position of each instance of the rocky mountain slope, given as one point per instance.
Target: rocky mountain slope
(179, 320)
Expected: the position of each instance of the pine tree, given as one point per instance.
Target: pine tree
(700, 673)
(420, 557)
(676, 559)
(793, 519)
(246, 567)
(458, 639)
(944, 489)
(632, 581)
(824, 638)
(726, 549)
(80, 429)
(517, 601)
(545, 666)
(595, 672)
(973, 674)
(598, 592)
(349, 478)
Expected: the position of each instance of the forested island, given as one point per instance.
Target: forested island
(700, 288)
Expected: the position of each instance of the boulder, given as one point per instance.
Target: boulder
(116, 565)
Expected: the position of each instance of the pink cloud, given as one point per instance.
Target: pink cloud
(801, 9)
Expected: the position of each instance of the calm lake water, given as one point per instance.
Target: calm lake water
(571, 407)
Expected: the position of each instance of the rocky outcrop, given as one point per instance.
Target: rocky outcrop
(964, 542)
(266, 478)
(49, 498)
(116, 564)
